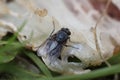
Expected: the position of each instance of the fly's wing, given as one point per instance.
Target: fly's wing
(56, 51)
(49, 47)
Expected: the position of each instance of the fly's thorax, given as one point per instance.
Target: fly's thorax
(61, 37)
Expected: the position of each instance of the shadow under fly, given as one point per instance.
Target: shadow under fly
(54, 44)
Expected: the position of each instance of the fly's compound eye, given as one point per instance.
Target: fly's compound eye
(66, 30)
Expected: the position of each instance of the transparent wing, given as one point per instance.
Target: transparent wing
(49, 47)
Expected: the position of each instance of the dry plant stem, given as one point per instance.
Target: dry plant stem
(95, 30)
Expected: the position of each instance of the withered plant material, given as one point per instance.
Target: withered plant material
(80, 16)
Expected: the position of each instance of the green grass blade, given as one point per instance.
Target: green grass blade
(12, 39)
(39, 63)
(8, 53)
(18, 72)
(15, 35)
(115, 59)
(94, 74)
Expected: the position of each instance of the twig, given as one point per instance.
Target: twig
(95, 35)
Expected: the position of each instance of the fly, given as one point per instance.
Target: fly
(54, 44)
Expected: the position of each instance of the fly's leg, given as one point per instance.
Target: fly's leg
(70, 40)
(53, 29)
(71, 46)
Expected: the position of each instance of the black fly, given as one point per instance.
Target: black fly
(54, 44)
